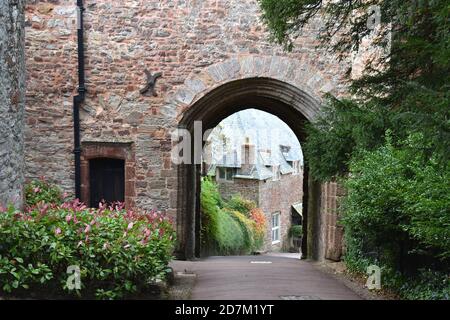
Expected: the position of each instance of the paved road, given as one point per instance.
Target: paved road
(266, 277)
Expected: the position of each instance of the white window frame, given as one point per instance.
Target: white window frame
(276, 229)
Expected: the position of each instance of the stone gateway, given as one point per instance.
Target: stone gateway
(215, 59)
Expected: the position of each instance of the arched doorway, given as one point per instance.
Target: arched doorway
(292, 105)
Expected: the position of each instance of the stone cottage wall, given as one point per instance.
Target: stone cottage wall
(248, 189)
(12, 101)
(279, 196)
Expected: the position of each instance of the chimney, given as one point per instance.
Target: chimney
(248, 155)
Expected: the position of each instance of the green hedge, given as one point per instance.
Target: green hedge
(247, 227)
(230, 237)
(42, 191)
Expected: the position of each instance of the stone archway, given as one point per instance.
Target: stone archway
(300, 73)
(286, 88)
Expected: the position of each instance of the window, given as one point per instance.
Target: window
(222, 173)
(276, 228)
(230, 174)
(226, 174)
(107, 180)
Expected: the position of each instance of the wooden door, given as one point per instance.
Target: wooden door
(107, 181)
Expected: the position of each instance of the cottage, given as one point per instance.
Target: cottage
(270, 178)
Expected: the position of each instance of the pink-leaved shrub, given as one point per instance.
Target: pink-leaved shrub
(118, 252)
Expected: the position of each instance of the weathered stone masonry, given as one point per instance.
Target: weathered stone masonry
(198, 46)
(12, 101)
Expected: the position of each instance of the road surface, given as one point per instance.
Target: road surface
(264, 277)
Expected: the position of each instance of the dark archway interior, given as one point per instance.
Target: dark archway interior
(290, 104)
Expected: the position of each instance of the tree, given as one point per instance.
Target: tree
(406, 89)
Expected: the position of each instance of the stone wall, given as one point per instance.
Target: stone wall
(178, 38)
(198, 45)
(12, 99)
(279, 196)
(248, 189)
(334, 241)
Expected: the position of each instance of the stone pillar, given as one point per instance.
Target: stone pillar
(331, 194)
(12, 97)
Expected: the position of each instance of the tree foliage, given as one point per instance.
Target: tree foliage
(405, 90)
(390, 140)
(396, 216)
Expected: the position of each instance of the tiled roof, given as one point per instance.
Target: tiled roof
(254, 125)
(230, 160)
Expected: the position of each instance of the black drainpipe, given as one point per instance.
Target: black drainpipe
(79, 99)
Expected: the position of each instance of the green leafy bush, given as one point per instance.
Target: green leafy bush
(230, 237)
(396, 216)
(210, 202)
(42, 191)
(118, 252)
(428, 285)
(232, 227)
(248, 229)
(296, 231)
(244, 206)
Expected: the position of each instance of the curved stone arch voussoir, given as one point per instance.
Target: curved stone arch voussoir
(298, 73)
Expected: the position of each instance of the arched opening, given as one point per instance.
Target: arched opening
(252, 186)
(292, 105)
